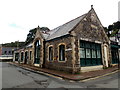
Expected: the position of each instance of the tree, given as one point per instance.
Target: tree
(14, 44)
(32, 32)
(114, 28)
(117, 25)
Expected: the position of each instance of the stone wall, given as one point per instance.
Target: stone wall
(41, 51)
(90, 29)
(56, 64)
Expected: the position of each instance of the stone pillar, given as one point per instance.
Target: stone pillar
(73, 54)
(105, 55)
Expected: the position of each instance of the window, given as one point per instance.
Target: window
(82, 53)
(22, 56)
(37, 52)
(50, 53)
(30, 55)
(9, 52)
(16, 56)
(5, 52)
(62, 53)
(93, 53)
(90, 53)
(37, 49)
(98, 54)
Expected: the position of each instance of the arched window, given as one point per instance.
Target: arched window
(16, 56)
(22, 56)
(37, 52)
(30, 55)
(50, 53)
(61, 52)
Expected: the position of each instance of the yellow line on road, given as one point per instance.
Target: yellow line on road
(99, 76)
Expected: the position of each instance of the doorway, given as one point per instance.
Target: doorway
(37, 52)
(26, 57)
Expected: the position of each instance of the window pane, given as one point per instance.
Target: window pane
(30, 55)
(87, 45)
(62, 52)
(98, 54)
(93, 53)
(88, 54)
(50, 53)
(93, 46)
(97, 46)
(37, 52)
(82, 53)
(22, 56)
(81, 44)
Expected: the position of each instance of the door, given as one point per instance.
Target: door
(26, 57)
(16, 56)
(115, 56)
(37, 52)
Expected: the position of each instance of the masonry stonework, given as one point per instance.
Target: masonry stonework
(56, 64)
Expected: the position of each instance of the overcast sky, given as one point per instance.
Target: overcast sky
(17, 17)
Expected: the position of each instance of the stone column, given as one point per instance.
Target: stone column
(105, 55)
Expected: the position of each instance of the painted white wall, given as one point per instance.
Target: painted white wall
(91, 68)
(106, 55)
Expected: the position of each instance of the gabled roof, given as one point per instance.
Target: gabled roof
(64, 29)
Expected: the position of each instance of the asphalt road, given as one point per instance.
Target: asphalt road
(15, 77)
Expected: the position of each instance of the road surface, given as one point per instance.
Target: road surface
(15, 77)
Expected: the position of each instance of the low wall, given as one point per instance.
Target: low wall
(91, 68)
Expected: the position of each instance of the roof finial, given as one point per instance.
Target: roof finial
(91, 6)
(38, 27)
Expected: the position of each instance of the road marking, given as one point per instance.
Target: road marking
(71, 81)
(99, 76)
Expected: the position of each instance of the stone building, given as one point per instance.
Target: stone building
(6, 53)
(78, 45)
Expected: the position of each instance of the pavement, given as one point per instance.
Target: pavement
(83, 76)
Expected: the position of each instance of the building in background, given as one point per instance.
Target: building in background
(6, 53)
(115, 46)
(7, 50)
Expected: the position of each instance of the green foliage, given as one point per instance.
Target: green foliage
(114, 28)
(14, 44)
(32, 32)
(114, 33)
(31, 36)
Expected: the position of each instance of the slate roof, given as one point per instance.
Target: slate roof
(63, 29)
